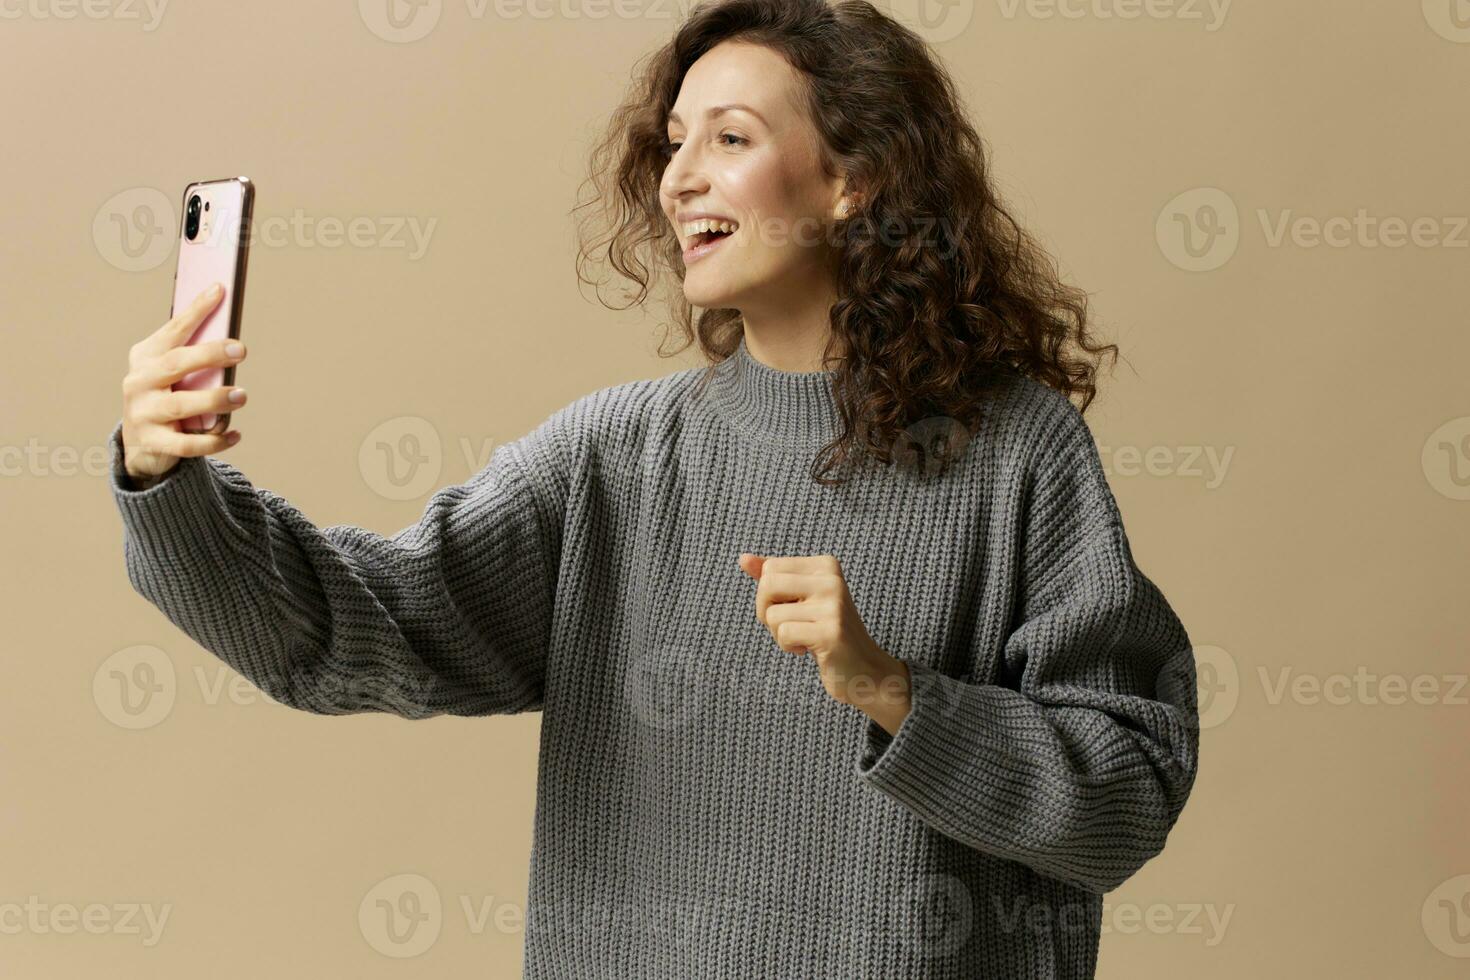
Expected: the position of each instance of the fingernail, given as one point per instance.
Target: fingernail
(237, 395)
(234, 350)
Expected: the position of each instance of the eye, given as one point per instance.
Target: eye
(671, 147)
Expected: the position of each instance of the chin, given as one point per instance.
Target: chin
(705, 298)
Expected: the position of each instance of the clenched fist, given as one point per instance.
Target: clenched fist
(804, 602)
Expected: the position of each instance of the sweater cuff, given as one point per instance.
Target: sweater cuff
(177, 508)
(919, 746)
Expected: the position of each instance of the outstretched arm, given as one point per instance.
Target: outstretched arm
(452, 614)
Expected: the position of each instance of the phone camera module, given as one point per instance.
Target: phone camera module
(191, 217)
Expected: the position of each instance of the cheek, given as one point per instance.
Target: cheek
(763, 193)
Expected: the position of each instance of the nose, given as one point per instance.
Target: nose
(683, 174)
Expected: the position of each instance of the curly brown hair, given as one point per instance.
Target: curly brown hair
(938, 286)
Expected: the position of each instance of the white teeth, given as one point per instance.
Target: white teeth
(692, 228)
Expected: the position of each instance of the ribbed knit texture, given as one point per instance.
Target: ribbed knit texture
(704, 809)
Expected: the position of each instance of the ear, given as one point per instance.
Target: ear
(849, 202)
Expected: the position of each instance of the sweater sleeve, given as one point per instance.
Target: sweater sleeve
(452, 614)
(1079, 760)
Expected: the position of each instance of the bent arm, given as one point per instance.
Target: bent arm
(1080, 762)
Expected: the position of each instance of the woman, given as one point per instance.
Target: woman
(909, 723)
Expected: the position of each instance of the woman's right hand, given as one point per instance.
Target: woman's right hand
(153, 442)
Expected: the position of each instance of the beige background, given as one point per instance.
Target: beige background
(1329, 537)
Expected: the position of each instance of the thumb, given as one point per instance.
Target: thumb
(751, 564)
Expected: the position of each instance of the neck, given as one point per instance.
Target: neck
(790, 410)
(785, 350)
(790, 334)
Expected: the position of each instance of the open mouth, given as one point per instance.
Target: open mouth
(705, 237)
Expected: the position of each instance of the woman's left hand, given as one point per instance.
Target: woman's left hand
(803, 600)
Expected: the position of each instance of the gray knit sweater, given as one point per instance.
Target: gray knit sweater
(704, 809)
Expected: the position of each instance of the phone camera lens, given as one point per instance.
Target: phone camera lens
(191, 217)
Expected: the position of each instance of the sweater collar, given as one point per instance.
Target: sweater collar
(784, 409)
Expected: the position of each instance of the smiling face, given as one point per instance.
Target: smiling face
(758, 168)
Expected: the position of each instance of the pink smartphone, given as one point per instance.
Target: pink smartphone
(214, 243)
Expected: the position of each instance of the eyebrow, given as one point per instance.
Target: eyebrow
(718, 110)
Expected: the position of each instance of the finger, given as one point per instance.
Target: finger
(788, 586)
(182, 444)
(800, 563)
(794, 612)
(175, 363)
(750, 564)
(183, 324)
(174, 405)
(781, 587)
(798, 636)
